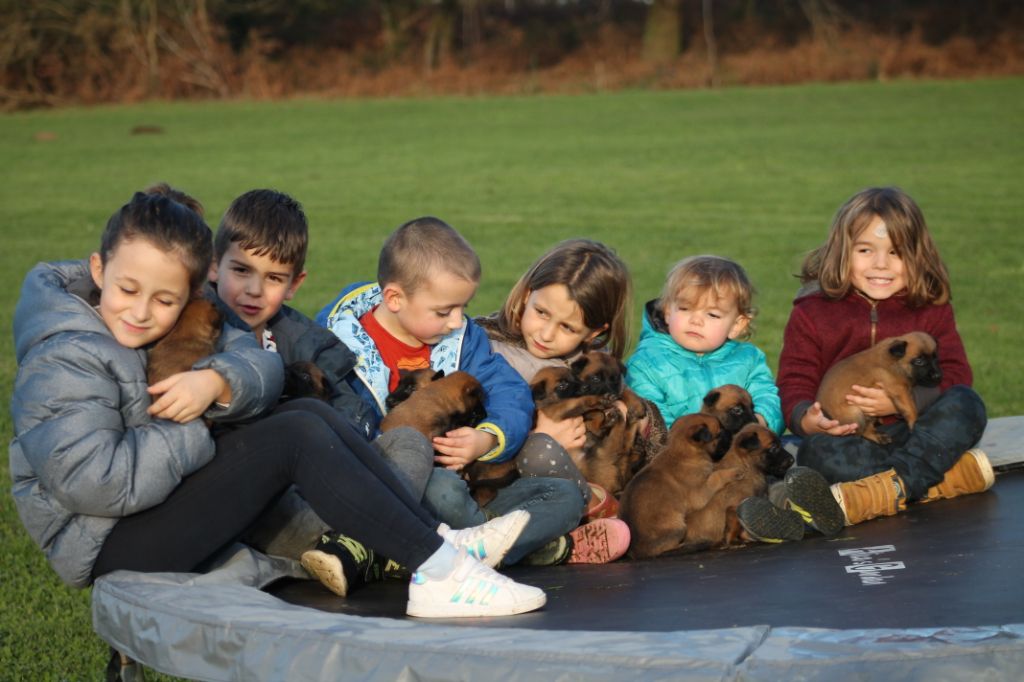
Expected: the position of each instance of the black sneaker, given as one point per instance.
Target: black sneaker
(341, 563)
(765, 522)
(811, 497)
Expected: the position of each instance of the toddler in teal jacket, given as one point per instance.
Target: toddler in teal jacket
(689, 342)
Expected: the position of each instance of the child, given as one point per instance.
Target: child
(689, 344)
(412, 318)
(259, 256)
(878, 275)
(106, 478)
(573, 299)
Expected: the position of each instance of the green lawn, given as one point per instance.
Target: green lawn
(752, 173)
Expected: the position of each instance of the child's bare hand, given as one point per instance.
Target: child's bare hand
(873, 401)
(569, 433)
(187, 395)
(815, 421)
(462, 446)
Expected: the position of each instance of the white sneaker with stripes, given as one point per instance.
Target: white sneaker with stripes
(489, 542)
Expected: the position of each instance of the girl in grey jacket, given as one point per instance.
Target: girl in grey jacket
(110, 473)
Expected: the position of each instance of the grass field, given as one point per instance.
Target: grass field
(754, 174)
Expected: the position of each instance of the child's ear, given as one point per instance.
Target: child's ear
(596, 333)
(214, 271)
(739, 327)
(392, 296)
(96, 270)
(297, 281)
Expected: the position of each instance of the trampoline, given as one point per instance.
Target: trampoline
(934, 593)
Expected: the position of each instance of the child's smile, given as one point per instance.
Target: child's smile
(876, 270)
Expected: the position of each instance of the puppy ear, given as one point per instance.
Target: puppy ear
(750, 442)
(578, 365)
(711, 398)
(437, 375)
(898, 349)
(702, 434)
(538, 391)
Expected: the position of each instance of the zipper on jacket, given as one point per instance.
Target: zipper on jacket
(874, 320)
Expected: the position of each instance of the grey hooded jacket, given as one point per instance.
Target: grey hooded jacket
(85, 452)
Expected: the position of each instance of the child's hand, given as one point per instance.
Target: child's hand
(462, 446)
(815, 421)
(187, 395)
(569, 433)
(874, 402)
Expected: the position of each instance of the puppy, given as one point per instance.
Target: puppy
(733, 407)
(616, 448)
(434, 404)
(599, 373)
(303, 379)
(679, 480)
(896, 365)
(559, 394)
(193, 337)
(757, 452)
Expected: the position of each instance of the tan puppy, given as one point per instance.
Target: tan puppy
(558, 393)
(896, 365)
(616, 448)
(193, 337)
(409, 381)
(599, 373)
(303, 379)
(733, 407)
(679, 480)
(758, 453)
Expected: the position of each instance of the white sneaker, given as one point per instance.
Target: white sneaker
(471, 590)
(488, 542)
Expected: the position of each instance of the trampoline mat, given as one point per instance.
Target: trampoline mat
(945, 564)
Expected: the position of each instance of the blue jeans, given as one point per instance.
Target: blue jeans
(555, 506)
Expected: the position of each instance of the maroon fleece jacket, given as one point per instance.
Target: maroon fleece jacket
(821, 331)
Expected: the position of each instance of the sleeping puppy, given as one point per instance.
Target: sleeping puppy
(758, 453)
(681, 479)
(303, 379)
(193, 337)
(733, 407)
(435, 404)
(895, 365)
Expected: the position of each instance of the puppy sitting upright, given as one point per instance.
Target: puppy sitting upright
(895, 365)
(193, 337)
(681, 479)
(733, 406)
(758, 453)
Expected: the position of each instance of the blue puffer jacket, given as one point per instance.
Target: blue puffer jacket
(676, 380)
(509, 403)
(85, 452)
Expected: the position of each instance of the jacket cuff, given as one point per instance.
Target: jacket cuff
(797, 415)
(496, 451)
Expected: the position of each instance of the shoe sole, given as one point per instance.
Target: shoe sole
(447, 610)
(327, 569)
(811, 497)
(984, 466)
(595, 546)
(765, 522)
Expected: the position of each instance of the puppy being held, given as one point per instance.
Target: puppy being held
(303, 379)
(680, 480)
(758, 453)
(193, 337)
(733, 406)
(895, 365)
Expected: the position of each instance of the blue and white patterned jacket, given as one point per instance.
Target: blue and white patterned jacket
(508, 403)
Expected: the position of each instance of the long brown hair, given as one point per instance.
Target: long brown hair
(598, 282)
(926, 274)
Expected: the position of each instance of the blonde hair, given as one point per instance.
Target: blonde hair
(830, 264)
(598, 282)
(698, 276)
(422, 247)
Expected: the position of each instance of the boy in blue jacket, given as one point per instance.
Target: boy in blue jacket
(413, 317)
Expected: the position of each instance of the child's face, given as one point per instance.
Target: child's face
(875, 268)
(552, 323)
(431, 312)
(255, 287)
(142, 291)
(702, 324)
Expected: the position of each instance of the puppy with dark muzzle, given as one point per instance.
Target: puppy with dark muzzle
(733, 406)
(559, 394)
(617, 447)
(757, 452)
(193, 337)
(680, 480)
(434, 404)
(599, 373)
(896, 365)
(303, 379)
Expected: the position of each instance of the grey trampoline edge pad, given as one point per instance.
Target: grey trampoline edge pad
(232, 632)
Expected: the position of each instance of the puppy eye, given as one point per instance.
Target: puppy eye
(917, 361)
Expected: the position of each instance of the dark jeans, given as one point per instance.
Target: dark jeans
(953, 424)
(337, 471)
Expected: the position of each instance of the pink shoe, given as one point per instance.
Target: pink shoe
(602, 505)
(599, 542)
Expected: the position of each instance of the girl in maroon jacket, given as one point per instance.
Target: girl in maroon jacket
(878, 275)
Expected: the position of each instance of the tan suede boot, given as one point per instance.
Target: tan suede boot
(972, 473)
(868, 498)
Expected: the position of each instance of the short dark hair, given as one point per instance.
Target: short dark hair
(419, 247)
(266, 222)
(171, 220)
